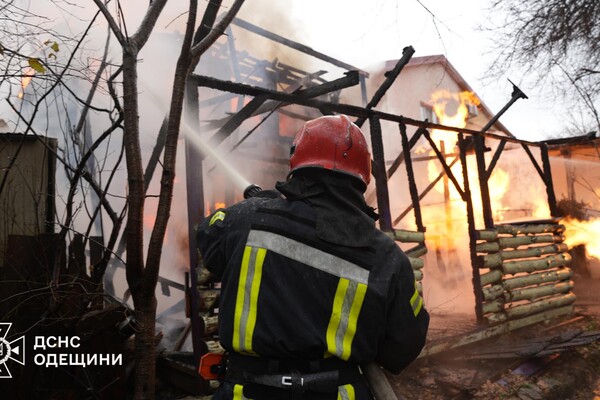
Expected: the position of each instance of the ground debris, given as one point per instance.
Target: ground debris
(529, 365)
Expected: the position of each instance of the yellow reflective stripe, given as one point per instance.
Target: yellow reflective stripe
(346, 392)
(255, 287)
(347, 303)
(359, 296)
(247, 298)
(219, 216)
(416, 301)
(238, 393)
(336, 316)
(239, 301)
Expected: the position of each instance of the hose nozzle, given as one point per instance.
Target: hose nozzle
(251, 191)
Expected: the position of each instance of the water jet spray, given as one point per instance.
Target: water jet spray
(248, 189)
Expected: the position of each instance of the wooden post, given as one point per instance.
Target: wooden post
(412, 186)
(381, 187)
(486, 205)
(548, 180)
(476, 280)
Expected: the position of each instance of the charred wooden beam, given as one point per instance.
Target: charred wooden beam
(347, 109)
(495, 158)
(349, 79)
(381, 187)
(217, 99)
(411, 143)
(260, 104)
(390, 77)
(425, 191)
(446, 167)
(294, 45)
(548, 181)
(486, 204)
(476, 277)
(412, 186)
(533, 161)
(235, 121)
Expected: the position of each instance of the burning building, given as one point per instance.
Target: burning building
(472, 206)
(484, 234)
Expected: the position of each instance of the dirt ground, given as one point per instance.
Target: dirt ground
(487, 370)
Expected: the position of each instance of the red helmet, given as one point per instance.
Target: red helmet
(334, 143)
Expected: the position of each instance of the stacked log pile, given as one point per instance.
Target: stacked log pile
(414, 253)
(524, 273)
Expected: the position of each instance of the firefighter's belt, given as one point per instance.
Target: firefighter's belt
(321, 376)
(322, 382)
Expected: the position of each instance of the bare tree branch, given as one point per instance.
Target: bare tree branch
(217, 31)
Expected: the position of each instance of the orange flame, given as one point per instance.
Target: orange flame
(26, 80)
(443, 101)
(455, 213)
(586, 233)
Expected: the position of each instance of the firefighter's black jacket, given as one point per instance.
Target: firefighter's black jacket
(287, 293)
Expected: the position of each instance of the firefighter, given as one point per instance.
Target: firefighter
(310, 289)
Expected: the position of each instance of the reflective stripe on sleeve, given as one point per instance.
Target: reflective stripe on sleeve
(247, 299)
(219, 216)
(238, 393)
(416, 301)
(308, 255)
(346, 392)
(347, 304)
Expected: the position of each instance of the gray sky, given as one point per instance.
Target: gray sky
(363, 33)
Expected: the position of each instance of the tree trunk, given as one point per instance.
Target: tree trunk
(145, 348)
(145, 305)
(135, 173)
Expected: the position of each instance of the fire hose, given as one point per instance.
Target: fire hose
(374, 375)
